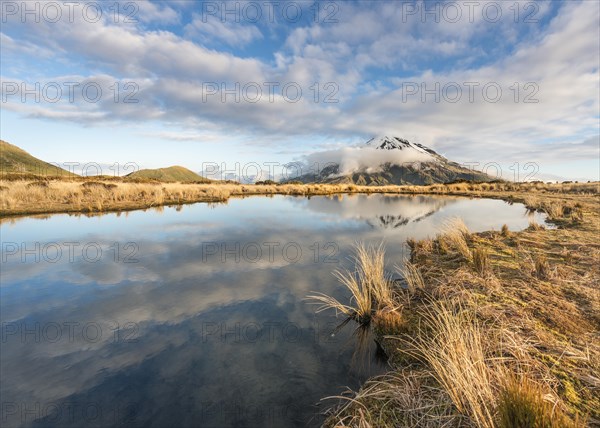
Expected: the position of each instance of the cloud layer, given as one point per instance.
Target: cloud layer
(357, 74)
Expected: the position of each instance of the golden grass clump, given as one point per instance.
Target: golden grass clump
(452, 348)
(412, 276)
(396, 399)
(522, 403)
(370, 263)
(420, 249)
(369, 286)
(481, 261)
(533, 225)
(542, 268)
(455, 234)
(389, 320)
(553, 209)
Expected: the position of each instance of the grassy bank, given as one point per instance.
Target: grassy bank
(496, 329)
(54, 195)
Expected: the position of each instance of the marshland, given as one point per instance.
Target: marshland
(362, 214)
(43, 194)
(449, 305)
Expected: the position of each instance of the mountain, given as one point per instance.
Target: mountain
(14, 160)
(376, 211)
(172, 173)
(393, 160)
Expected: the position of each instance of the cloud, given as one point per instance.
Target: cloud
(367, 159)
(208, 29)
(149, 11)
(368, 56)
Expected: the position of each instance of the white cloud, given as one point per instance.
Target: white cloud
(208, 29)
(561, 58)
(149, 11)
(352, 159)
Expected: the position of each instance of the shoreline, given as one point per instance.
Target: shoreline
(34, 197)
(522, 306)
(536, 290)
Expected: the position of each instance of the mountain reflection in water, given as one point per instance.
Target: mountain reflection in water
(205, 325)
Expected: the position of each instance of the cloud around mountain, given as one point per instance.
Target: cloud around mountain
(366, 158)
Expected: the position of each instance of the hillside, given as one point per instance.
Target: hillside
(172, 173)
(423, 166)
(14, 160)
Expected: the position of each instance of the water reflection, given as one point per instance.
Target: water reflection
(205, 324)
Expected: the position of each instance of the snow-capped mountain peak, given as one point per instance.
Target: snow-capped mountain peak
(397, 143)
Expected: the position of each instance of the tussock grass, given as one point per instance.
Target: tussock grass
(368, 284)
(481, 261)
(470, 376)
(413, 277)
(370, 265)
(523, 403)
(533, 225)
(542, 268)
(553, 209)
(397, 399)
(389, 320)
(509, 350)
(452, 347)
(455, 235)
(62, 194)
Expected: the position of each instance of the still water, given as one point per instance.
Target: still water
(196, 316)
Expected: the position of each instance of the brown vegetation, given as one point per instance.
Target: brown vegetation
(29, 194)
(496, 329)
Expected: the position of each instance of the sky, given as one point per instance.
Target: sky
(140, 84)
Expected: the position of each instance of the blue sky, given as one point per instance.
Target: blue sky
(427, 71)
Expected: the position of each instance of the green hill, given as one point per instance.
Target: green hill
(14, 160)
(172, 173)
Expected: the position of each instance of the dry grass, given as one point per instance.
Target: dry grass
(389, 320)
(452, 347)
(465, 379)
(481, 261)
(542, 268)
(370, 288)
(518, 348)
(29, 197)
(455, 235)
(397, 399)
(533, 225)
(523, 403)
(412, 276)
(29, 194)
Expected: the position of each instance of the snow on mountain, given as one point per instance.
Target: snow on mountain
(397, 143)
(385, 160)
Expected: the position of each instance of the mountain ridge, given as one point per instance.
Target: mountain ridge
(15, 160)
(429, 168)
